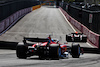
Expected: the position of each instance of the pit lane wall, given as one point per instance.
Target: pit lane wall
(12, 19)
(93, 38)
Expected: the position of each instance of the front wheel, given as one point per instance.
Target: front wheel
(75, 51)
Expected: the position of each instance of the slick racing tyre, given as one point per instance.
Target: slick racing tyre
(68, 38)
(84, 38)
(21, 51)
(54, 51)
(75, 51)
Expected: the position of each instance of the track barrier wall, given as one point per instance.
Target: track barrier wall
(11, 20)
(83, 15)
(13, 10)
(92, 37)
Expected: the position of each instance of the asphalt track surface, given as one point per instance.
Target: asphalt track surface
(40, 23)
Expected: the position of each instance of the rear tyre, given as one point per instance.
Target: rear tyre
(68, 38)
(75, 51)
(84, 38)
(54, 51)
(21, 51)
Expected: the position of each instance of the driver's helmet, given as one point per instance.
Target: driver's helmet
(52, 40)
(76, 32)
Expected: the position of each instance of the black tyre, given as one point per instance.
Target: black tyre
(84, 38)
(21, 51)
(75, 51)
(68, 38)
(54, 51)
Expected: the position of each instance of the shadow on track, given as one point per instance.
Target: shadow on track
(8, 45)
(91, 50)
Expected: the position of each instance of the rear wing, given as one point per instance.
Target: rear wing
(36, 39)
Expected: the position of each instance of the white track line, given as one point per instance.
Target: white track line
(67, 21)
(89, 45)
(73, 27)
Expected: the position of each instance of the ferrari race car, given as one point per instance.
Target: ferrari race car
(46, 48)
(76, 37)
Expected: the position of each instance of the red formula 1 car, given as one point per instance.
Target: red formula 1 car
(46, 48)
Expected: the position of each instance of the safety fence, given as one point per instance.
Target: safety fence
(92, 37)
(87, 16)
(9, 7)
(8, 22)
(14, 17)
